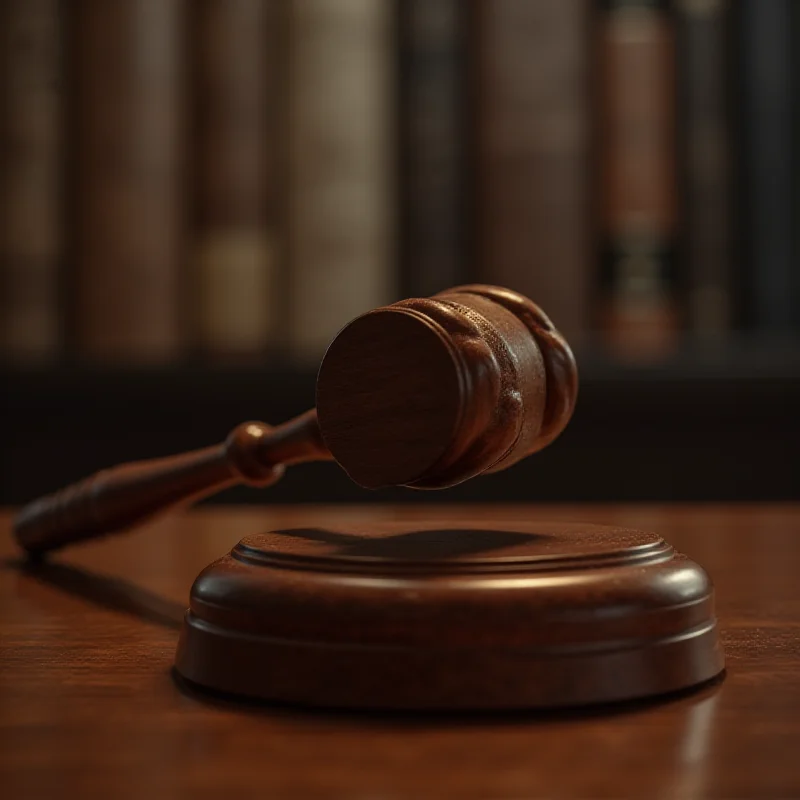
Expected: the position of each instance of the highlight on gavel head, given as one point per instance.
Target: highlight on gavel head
(432, 391)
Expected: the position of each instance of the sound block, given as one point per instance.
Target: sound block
(461, 616)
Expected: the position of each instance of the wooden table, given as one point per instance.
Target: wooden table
(89, 707)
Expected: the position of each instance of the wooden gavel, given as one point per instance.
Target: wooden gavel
(424, 393)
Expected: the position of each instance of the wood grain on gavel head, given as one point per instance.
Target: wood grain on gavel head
(430, 392)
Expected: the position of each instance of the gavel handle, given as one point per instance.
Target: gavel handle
(122, 497)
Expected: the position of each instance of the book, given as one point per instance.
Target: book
(705, 87)
(795, 13)
(235, 187)
(128, 209)
(341, 167)
(533, 188)
(768, 151)
(31, 180)
(432, 121)
(640, 314)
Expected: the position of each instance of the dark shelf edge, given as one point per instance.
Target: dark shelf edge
(681, 431)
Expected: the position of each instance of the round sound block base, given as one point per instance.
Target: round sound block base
(529, 615)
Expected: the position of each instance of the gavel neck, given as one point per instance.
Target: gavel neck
(254, 448)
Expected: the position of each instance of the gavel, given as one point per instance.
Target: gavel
(424, 393)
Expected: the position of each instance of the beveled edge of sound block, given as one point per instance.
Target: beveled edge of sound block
(399, 616)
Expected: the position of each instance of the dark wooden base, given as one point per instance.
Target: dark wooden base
(464, 616)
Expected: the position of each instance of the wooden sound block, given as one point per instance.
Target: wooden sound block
(453, 617)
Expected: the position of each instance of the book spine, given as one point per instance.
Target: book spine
(533, 139)
(768, 151)
(706, 148)
(796, 159)
(129, 217)
(432, 124)
(235, 75)
(341, 166)
(640, 314)
(31, 180)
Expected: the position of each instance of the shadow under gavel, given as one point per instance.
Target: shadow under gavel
(424, 393)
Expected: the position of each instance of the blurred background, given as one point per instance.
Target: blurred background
(195, 197)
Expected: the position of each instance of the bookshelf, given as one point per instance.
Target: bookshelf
(272, 169)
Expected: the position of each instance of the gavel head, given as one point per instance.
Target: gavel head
(429, 392)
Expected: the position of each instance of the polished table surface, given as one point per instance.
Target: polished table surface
(89, 705)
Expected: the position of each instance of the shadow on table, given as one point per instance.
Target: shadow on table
(114, 594)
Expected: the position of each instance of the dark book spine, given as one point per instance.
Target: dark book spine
(235, 76)
(129, 217)
(31, 179)
(768, 150)
(640, 315)
(532, 181)
(432, 159)
(706, 147)
(796, 154)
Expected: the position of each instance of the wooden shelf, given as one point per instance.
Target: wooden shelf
(708, 428)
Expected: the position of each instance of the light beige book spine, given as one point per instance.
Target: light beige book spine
(341, 166)
(31, 141)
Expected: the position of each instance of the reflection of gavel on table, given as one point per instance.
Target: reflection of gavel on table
(423, 393)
